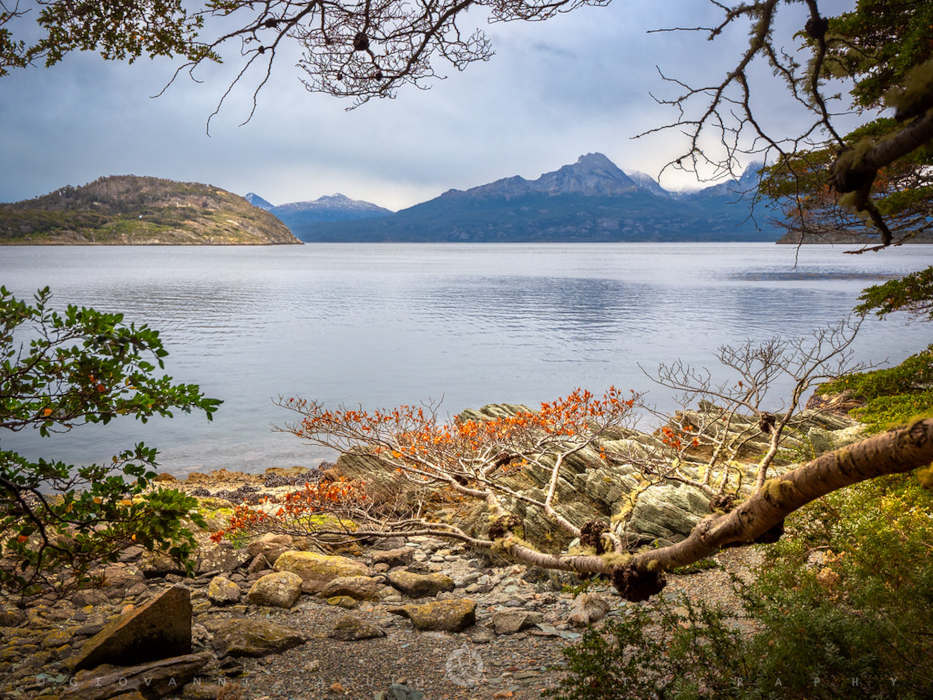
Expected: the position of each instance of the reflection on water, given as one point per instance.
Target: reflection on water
(386, 324)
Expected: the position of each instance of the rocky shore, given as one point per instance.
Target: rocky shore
(271, 616)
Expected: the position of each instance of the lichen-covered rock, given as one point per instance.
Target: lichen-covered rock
(666, 513)
(349, 628)
(358, 587)
(317, 570)
(223, 591)
(244, 636)
(280, 589)
(442, 615)
(221, 557)
(420, 585)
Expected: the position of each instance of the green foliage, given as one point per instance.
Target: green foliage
(879, 43)
(61, 370)
(912, 293)
(125, 31)
(668, 653)
(891, 396)
(842, 606)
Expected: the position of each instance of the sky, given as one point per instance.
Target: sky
(578, 83)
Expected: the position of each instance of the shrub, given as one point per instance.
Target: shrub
(59, 371)
(842, 606)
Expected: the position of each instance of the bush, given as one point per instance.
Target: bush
(842, 606)
(59, 371)
(890, 396)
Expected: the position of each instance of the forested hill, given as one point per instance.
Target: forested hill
(133, 210)
(590, 200)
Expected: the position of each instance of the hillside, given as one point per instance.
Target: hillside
(132, 210)
(590, 200)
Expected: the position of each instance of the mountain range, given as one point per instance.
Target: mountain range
(302, 218)
(589, 200)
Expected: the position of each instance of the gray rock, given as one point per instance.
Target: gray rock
(160, 628)
(221, 556)
(358, 587)
(420, 585)
(251, 637)
(269, 545)
(349, 628)
(666, 513)
(587, 609)
(441, 615)
(510, 622)
(393, 557)
(280, 590)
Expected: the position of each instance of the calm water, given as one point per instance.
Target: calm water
(380, 325)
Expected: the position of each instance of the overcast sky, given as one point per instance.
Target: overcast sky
(554, 90)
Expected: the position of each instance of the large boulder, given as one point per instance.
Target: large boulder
(666, 513)
(420, 585)
(317, 570)
(243, 636)
(279, 590)
(442, 615)
(158, 629)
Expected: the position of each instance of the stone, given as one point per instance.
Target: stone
(244, 636)
(223, 591)
(666, 513)
(512, 621)
(280, 590)
(156, 679)
(270, 545)
(11, 616)
(359, 587)
(160, 628)
(153, 564)
(344, 601)
(349, 629)
(441, 615)
(420, 585)
(120, 576)
(588, 608)
(393, 557)
(316, 570)
(220, 557)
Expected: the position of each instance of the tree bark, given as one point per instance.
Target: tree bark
(893, 452)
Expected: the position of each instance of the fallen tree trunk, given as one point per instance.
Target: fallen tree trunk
(641, 575)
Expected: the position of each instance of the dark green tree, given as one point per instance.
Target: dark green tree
(59, 371)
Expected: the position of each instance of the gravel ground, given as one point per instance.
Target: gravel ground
(452, 666)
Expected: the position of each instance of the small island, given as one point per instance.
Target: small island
(133, 210)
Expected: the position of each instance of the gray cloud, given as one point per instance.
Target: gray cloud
(554, 90)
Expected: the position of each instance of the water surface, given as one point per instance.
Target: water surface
(384, 324)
